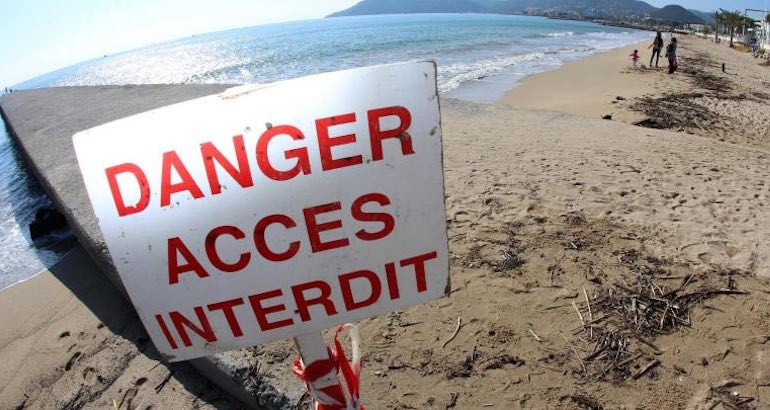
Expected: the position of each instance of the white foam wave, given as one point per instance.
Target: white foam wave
(549, 55)
(560, 34)
(454, 75)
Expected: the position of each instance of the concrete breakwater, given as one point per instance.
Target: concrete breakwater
(42, 123)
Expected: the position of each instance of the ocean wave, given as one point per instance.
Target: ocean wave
(454, 75)
(560, 34)
(548, 55)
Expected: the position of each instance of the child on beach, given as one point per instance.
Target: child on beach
(634, 58)
(673, 64)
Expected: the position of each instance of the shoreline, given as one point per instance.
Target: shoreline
(494, 87)
(593, 86)
(698, 99)
(585, 87)
(32, 276)
(20, 195)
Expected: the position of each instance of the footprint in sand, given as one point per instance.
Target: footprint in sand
(72, 361)
(90, 375)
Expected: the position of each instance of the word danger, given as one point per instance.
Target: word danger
(240, 168)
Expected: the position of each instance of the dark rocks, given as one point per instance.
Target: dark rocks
(47, 221)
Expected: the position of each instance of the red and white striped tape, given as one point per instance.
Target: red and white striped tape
(342, 392)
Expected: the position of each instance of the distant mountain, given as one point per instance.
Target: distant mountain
(707, 18)
(410, 6)
(596, 8)
(675, 13)
(618, 9)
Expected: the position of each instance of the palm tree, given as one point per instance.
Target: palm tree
(733, 20)
(749, 22)
(717, 22)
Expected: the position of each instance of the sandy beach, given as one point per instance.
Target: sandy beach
(591, 86)
(71, 341)
(552, 214)
(573, 237)
(595, 263)
(699, 99)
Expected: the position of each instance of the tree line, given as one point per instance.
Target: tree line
(732, 21)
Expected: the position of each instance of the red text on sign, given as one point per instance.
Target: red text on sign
(320, 232)
(313, 300)
(176, 178)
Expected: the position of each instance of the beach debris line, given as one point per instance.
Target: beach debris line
(722, 394)
(584, 401)
(675, 111)
(697, 111)
(625, 317)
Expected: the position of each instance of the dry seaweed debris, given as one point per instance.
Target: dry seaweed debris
(510, 251)
(649, 308)
(511, 260)
(730, 399)
(624, 317)
(584, 401)
(612, 358)
(677, 110)
(722, 395)
(681, 111)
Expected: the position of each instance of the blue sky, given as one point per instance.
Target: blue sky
(39, 36)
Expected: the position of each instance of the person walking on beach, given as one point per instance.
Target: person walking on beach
(671, 55)
(657, 46)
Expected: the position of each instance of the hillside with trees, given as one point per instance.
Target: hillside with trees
(579, 9)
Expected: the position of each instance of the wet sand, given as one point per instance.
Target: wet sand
(588, 87)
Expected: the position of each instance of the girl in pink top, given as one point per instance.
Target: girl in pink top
(635, 57)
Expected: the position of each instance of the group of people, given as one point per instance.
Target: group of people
(657, 47)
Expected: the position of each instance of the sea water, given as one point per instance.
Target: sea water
(468, 48)
(20, 197)
(479, 57)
